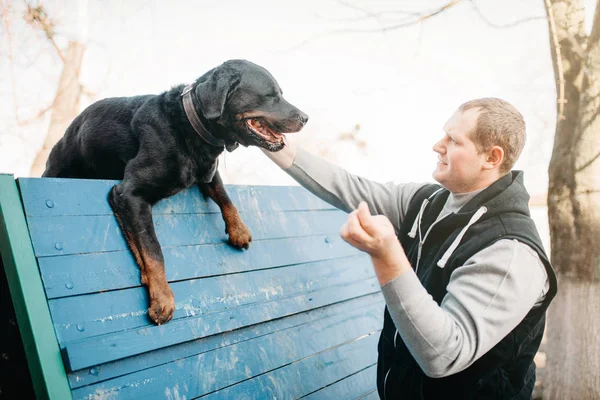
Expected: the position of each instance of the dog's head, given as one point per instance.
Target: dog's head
(247, 105)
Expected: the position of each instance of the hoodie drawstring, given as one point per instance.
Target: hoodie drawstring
(413, 231)
(442, 262)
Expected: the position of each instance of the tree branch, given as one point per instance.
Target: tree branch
(377, 15)
(405, 24)
(559, 66)
(39, 115)
(383, 29)
(38, 16)
(587, 163)
(504, 26)
(10, 57)
(368, 14)
(595, 34)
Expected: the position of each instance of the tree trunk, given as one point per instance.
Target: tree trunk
(65, 106)
(573, 344)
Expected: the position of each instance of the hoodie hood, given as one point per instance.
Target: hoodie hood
(507, 194)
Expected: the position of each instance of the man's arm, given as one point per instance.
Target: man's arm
(486, 299)
(340, 188)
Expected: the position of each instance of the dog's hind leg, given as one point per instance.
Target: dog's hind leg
(239, 234)
(65, 159)
(58, 162)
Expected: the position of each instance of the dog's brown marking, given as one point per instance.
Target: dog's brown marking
(162, 300)
(239, 234)
(133, 214)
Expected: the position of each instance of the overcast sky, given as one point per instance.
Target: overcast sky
(399, 86)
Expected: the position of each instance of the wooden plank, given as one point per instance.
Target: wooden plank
(41, 348)
(98, 314)
(57, 196)
(88, 273)
(353, 386)
(373, 395)
(306, 375)
(52, 236)
(105, 348)
(167, 355)
(229, 365)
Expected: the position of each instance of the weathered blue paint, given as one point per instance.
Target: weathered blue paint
(199, 297)
(244, 360)
(298, 314)
(306, 375)
(372, 395)
(350, 387)
(88, 197)
(189, 349)
(93, 272)
(53, 236)
(105, 348)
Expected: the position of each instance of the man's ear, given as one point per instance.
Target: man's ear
(494, 157)
(213, 88)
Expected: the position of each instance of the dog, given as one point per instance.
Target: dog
(158, 145)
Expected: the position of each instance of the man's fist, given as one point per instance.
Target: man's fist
(373, 234)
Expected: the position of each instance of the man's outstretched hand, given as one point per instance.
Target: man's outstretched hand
(375, 235)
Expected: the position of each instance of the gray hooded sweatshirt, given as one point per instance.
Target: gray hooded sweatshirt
(486, 299)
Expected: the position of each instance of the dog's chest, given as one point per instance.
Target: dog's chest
(191, 172)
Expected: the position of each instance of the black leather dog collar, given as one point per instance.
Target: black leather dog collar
(190, 111)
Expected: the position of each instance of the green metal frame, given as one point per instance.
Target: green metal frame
(27, 292)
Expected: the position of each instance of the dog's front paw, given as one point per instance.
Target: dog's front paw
(239, 235)
(162, 306)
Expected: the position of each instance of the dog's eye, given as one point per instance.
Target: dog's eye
(272, 97)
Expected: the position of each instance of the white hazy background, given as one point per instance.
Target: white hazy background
(394, 89)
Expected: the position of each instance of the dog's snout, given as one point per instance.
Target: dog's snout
(303, 118)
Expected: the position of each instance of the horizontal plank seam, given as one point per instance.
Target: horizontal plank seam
(339, 380)
(257, 304)
(366, 394)
(222, 242)
(211, 276)
(241, 211)
(290, 363)
(361, 307)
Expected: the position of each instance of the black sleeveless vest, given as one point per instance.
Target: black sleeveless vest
(507, 371)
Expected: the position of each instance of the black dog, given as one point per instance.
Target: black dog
(161, 144)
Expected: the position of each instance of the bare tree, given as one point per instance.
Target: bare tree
(573, 348)
(65, 104)
(66, 101)
(573, 343)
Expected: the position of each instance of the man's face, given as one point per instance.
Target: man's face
(459, 167)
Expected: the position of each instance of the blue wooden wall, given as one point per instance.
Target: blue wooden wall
(297, 315)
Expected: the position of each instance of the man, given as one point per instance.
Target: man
(461, 266)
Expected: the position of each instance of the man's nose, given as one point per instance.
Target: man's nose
(437, 147)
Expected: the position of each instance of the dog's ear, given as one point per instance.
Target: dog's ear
(213, 89)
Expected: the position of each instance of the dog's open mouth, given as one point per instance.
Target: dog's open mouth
(260, 128)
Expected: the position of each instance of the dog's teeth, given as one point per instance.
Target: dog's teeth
(285, 142)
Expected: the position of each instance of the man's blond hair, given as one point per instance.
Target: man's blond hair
(498, 124)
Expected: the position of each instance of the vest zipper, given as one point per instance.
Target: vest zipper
(421, 242)
(412, 234)
(385, 383)
(422, 239)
